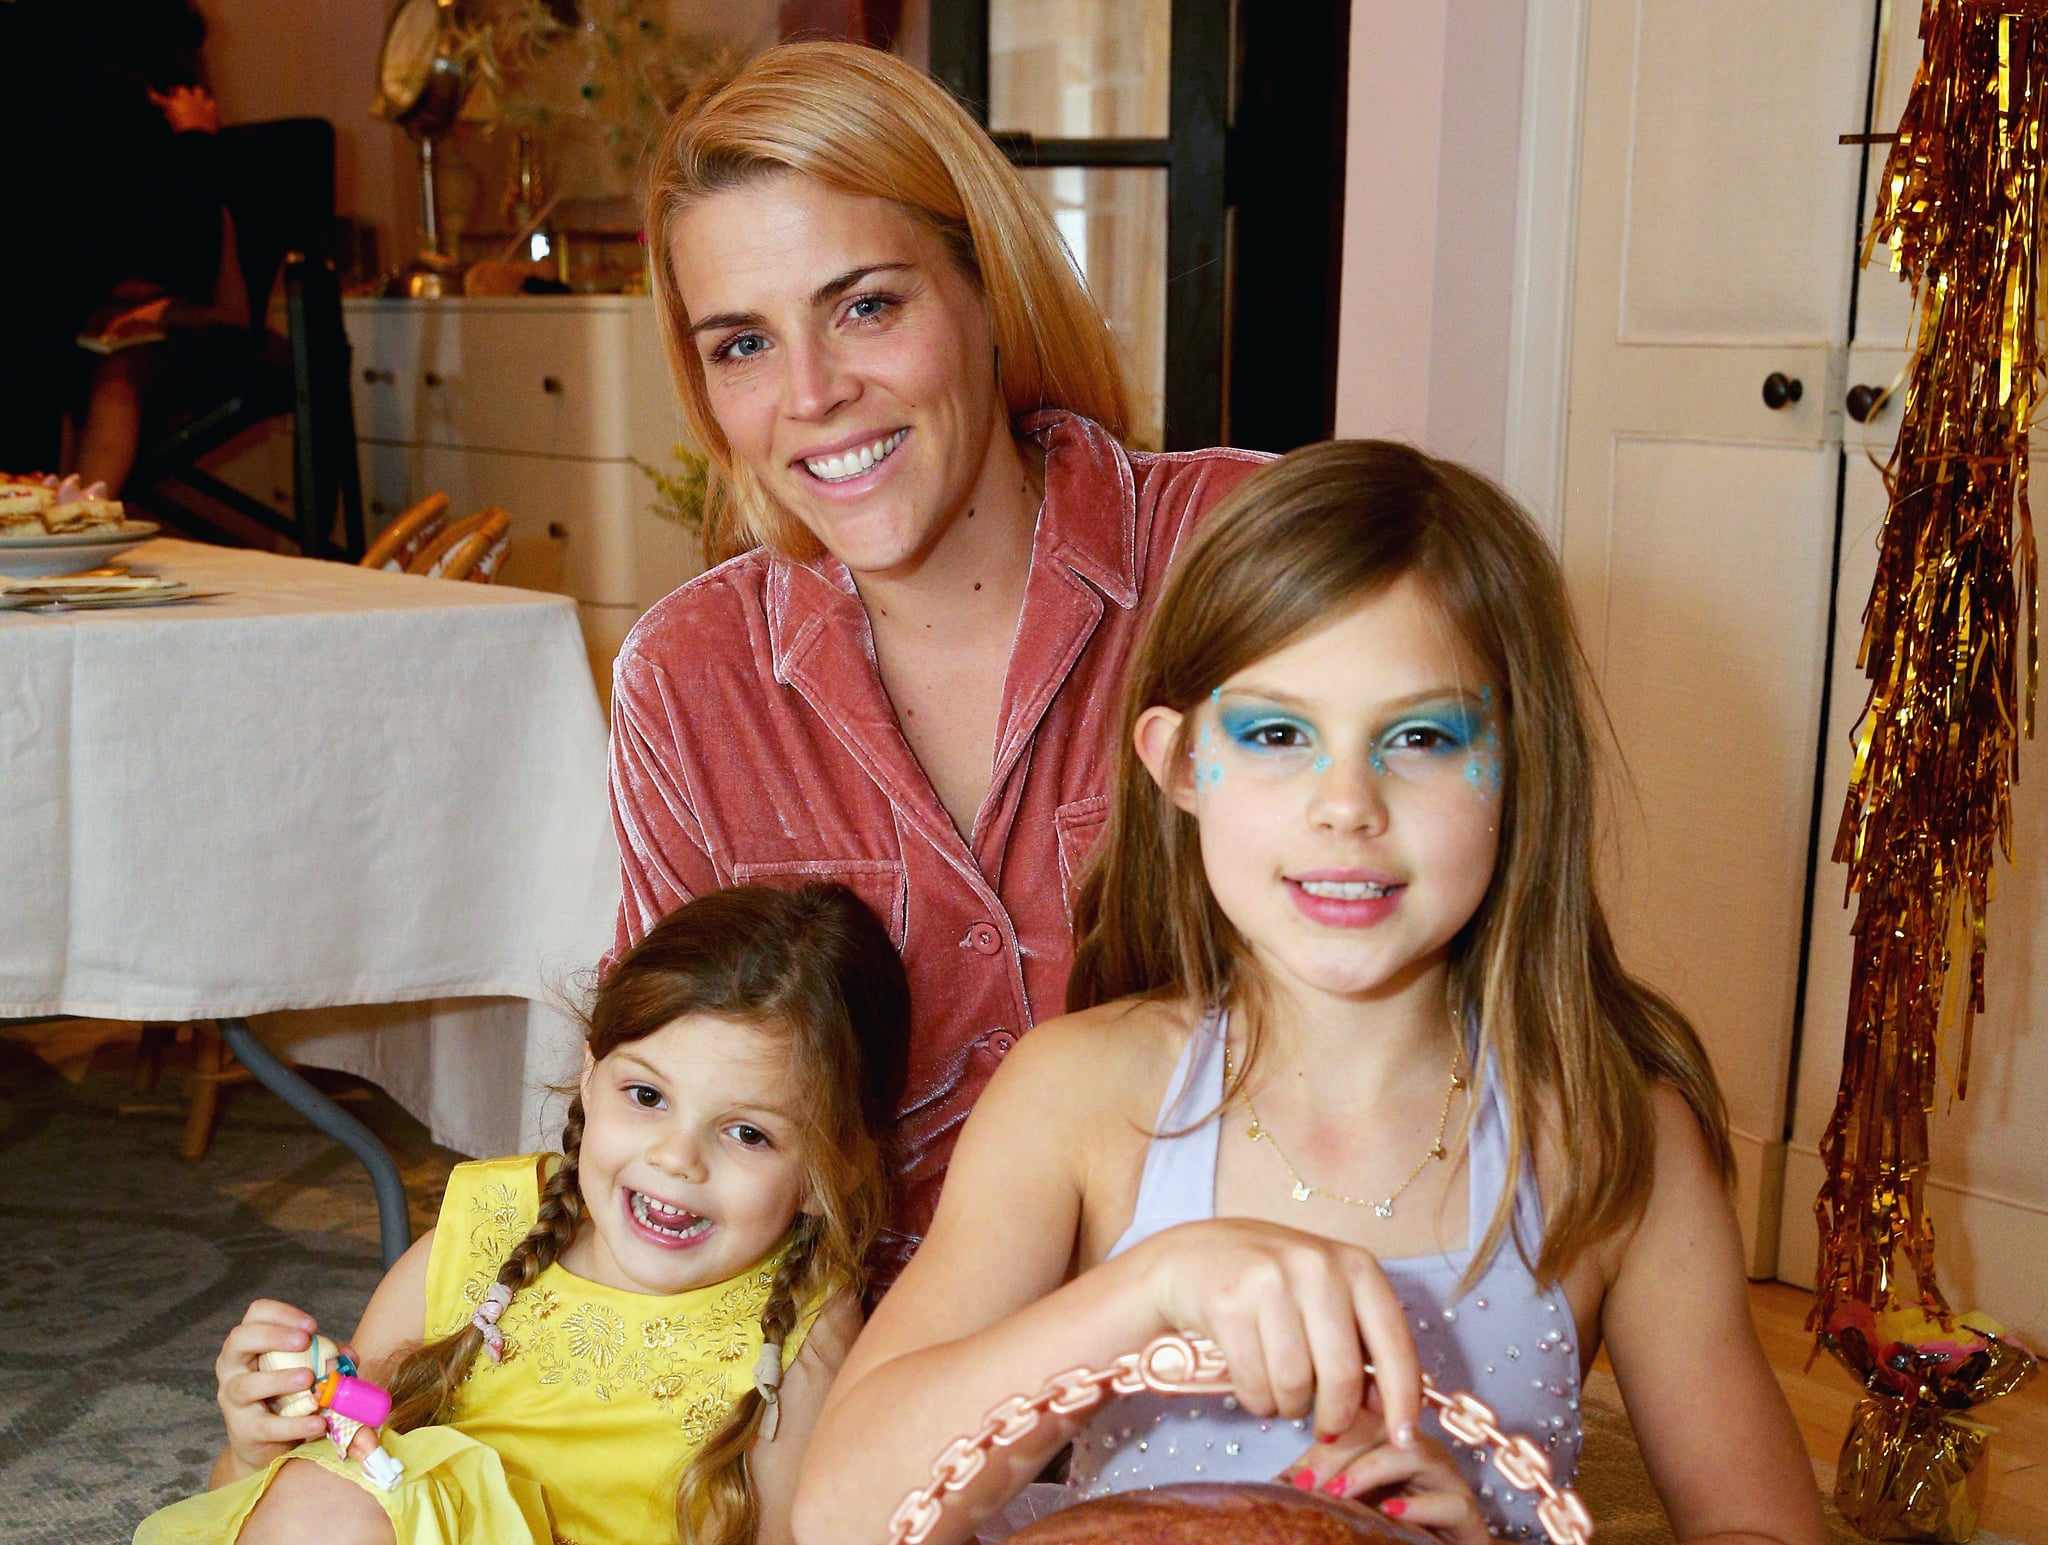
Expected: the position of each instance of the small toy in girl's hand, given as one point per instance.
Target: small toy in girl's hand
(347, 1403)
(322, 1356)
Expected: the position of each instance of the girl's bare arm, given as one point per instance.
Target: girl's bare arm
(1717, 1435)
(774, 1463)
(985, 1310)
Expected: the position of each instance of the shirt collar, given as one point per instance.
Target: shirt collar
(1088, 522)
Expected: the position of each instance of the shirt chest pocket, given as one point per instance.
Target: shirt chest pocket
(1079, 827)
(879, 882)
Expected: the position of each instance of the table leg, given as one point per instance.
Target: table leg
(394, 1228)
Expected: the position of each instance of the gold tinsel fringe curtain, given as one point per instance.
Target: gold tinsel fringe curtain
(1948, 640)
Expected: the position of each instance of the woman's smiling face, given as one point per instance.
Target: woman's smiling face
(848, 361)
(689, 1166)
(1348, 791)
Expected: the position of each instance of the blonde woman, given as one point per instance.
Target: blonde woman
(902, 681)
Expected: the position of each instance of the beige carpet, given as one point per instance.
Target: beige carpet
(1624, 1504)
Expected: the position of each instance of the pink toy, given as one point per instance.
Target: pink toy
(347, 1404)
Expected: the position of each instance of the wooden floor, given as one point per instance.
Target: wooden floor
(1823, 1395)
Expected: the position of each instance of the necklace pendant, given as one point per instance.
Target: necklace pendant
(1383, 1209)
(1303, 1190)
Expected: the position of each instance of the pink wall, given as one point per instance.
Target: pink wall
(1431, 166)
(284, 58)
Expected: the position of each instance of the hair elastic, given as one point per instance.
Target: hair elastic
(486, 1319)
(767, 1381)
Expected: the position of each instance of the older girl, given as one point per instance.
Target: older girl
(627, 1341)
(1355, 1072)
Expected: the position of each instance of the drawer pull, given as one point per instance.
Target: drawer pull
(373, 376)
(552, 385)
(432, 378)
(558, 531)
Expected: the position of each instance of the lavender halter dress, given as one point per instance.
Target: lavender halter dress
(1507, 1340)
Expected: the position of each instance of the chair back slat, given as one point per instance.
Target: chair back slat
(471, 548)
(402, 541)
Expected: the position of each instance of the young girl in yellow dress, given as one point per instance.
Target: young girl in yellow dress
(629, 1340)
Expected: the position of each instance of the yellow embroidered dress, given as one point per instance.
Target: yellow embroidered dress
(580, 1435)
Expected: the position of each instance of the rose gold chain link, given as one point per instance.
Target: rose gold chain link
(1191, 1365)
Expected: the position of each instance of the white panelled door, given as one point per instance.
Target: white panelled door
(1714, 250)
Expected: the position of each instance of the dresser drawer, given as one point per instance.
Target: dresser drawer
(481, 376)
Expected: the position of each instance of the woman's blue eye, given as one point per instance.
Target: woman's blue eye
(867, 306)
(740, 346)
(645, 1096)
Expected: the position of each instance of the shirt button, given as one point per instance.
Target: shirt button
(1001, 1042)
(984, 938)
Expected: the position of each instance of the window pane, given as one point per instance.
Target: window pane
(1079, 69)
(1114, 222)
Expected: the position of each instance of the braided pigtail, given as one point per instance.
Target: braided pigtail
(717, 1504)
(423, 1388)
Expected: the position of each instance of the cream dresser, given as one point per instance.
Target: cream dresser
(535, 404)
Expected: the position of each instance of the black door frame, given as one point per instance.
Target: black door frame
(1255, 205)
(1194, 157)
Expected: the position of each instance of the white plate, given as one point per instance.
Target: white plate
(104, 600)
(67, 552)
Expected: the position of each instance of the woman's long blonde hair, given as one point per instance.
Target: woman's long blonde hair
(1297, 545)
(863, 122)
(814, 967)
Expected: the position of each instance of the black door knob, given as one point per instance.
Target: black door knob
(1865, 402)
(1781, 390)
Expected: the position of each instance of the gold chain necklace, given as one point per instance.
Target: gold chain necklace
(1303, 1191)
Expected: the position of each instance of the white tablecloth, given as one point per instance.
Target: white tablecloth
(327, 788)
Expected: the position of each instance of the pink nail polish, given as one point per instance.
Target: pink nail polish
(1394, 1507)
(1327, 1437)
(1335, 1486)
(1304, 1479)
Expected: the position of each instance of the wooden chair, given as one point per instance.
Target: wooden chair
(402, 541)
(213, 1067)
(471, 548)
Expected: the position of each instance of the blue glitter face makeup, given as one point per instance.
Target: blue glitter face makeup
(1451, 736)
(1268, 740)
(1427, 738)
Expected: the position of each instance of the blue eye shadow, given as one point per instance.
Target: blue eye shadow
(1241, 723)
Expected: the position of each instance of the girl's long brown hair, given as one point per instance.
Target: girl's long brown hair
(863, 122)
(815, 967)
(1297, 545)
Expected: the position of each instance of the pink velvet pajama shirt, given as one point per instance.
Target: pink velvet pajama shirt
(753, 743)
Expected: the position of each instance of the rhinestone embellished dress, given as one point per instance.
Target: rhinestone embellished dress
(1507, 1340)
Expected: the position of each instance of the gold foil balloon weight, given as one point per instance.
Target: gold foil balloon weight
(1912, 1466)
